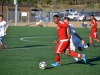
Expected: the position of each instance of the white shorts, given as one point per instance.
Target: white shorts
(72, 46)
(41, 21)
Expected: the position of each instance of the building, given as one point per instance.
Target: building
(8, 12)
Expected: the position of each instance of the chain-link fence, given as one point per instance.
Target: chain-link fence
(9, 16)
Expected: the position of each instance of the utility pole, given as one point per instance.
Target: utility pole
(16, 7)
(2, 6)
(75, 2)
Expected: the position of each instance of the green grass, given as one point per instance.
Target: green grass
(23, 57)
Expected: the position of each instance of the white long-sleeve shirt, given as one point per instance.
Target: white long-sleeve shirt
(3, 26)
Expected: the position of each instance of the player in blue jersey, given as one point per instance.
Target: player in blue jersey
(76, 42)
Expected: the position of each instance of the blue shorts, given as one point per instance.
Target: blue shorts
(75, 43)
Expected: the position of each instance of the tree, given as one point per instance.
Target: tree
(99, 6)
(47, 1)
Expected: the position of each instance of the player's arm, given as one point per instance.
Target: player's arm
(79, 38)
(89, 27)
(6, 28)
(69, 31)
(94, 24)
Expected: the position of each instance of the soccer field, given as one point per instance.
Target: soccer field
(27, 46)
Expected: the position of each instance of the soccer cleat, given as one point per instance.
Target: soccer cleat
(55, 64)
(4, 47)
(85, 46)
(84, 58)
(88, 44)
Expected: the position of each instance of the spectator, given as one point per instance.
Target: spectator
(38, 23)
(84, 24)
(46, 20)
(41, 19)
(77, 17)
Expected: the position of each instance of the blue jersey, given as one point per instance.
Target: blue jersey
(47, 19)
(72, 30)
(74, 39)
(41, 17)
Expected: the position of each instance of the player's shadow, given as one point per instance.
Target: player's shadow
(89, 61)
(97, 45)
(30, 46)
(49, 67)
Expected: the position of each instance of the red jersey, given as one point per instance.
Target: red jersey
(94, 25)
(61, 30)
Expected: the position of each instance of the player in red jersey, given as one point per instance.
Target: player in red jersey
(93, 33)
(63, 39)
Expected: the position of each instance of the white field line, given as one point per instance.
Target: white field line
(25, 39)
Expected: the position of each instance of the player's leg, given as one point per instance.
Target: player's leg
(97, 40)
(81, 46)
(2, 42)
(77, 44)
(75, 55)
(90, 38)
(95, 37)
(68, 53)
(56, 55)
(81, 56)
(73, 48)
(61, 46)
(76, 59)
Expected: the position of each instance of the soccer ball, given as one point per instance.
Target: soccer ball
(42, 65)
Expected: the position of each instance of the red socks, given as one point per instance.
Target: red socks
(91, 42)
(75, 54)
(98, 41)
(57, 58)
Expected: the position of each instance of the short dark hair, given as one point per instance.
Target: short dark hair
(66, 18)
(92, 15)
(56, 16)
(1, 16)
